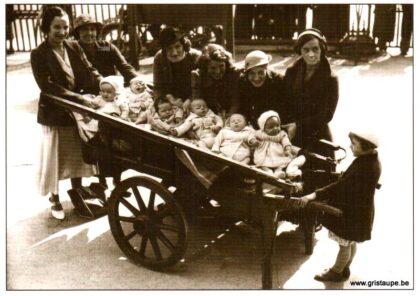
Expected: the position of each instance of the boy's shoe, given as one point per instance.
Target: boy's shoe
(346, 273)
(329, 275)
(57, 210)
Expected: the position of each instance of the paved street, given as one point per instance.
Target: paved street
(43, 253)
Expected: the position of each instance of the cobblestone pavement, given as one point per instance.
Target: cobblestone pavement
(78, 254)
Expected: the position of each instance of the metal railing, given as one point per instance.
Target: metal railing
(23, 21)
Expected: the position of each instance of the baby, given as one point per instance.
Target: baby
(202, 122)
(139, 101)
(178, 105)
(107, 102)
(274, 150)
(235, 141)
(164, 118)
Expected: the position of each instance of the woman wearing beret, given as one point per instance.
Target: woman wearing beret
(103, 55)
(312, 92)
(60, 68)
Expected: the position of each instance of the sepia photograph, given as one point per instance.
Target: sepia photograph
(209, 146)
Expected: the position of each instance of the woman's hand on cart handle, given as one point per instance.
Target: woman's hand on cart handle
(86, 102)
(307, 198)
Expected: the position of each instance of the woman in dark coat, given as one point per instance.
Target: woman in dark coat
(60, 68)
(216, 81)
(354, 194)
(103, 55)
(312, 93)
(259, 89)
(107, 59)
(172, 65)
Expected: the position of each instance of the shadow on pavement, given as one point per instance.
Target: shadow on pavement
(43, 253)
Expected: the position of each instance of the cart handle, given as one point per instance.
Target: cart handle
(321, 206)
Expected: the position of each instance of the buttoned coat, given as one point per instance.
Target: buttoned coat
(51, 78)
(354, 194)
(310, 104)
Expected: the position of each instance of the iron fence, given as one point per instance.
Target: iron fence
(252, 22)
(23, 23)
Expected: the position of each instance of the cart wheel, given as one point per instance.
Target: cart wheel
(149, 226)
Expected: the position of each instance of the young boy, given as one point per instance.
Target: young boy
(353, 193)
(203, 123)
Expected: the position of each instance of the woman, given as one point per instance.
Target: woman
(312, 92)
(60, 68)
(216, 81)
(260, 88)
(107, 59)
(103, 55)
(173, 64)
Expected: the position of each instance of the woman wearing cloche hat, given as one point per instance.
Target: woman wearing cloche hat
(259, 87)
(353, 194)
(312, 92)
(103, 55)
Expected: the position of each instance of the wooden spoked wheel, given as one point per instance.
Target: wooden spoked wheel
(148, 225)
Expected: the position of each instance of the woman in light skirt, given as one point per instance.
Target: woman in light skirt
(60, 68)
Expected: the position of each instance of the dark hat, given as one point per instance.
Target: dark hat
(84, 20)
(169, 36)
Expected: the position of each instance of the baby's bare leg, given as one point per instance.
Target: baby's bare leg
(142, 118)
(208, 141)
(202, 144)
(267, 170)
(293, 167)
(279, 173)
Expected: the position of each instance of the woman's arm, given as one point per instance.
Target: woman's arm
(196, 84)
(288, 112)
(95, 76)
(243, 104)
(126, 70)
(158, 76)
(43, 78)
(349, 182)
(234, 91)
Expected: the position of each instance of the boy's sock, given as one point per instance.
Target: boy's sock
(343, 257)
(353, 251)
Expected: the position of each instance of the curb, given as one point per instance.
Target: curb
(20, 66)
